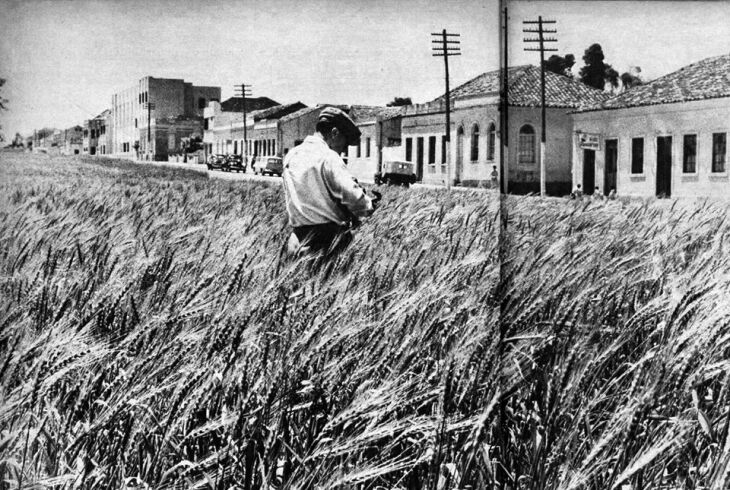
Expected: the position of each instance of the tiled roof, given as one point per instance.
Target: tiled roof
(277, 112)
(235, 104)
(307, 110)
(524, 88)
(706, 79)
(365, 113)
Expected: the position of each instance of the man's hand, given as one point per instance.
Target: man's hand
(376, 199)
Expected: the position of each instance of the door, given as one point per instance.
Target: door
(459, 154)
(664, 166)
(589, 171)
(419, 159)
(611, 168)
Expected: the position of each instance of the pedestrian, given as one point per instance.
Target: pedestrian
(323, 200)
(495, 177)
(597, 194)
(612, 195)
(577, 192)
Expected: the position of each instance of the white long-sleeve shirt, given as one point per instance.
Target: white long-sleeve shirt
(315, 180)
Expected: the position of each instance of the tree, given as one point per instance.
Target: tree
(398, 101)
(596, 72)
(631, 78)
(560, 65)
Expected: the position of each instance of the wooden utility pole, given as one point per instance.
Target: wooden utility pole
(244, 90)
(446, 46)
(504, 106)
(149, 106)
(541, 39)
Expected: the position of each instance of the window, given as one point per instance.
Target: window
(409, 149)
(201, 102)
(689, 158)
(491, 139)
(431, 150)
(475, 143)
(358, 152)
(367, 147)
(637, 155)
(443, 154)
(719, 150)
(526, 151)
(135, 122)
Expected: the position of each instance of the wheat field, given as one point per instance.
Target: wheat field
(153, 335)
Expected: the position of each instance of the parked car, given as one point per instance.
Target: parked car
(217, 162)
(268, 166)
(235, 163)
(396, 172)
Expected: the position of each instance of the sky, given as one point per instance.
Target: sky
(63, 59)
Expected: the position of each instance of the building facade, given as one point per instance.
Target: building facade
(137, 109)
(667, 138)
(474, 145)
(379, 128)
(97, 140)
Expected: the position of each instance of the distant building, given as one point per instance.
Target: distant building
(70, 141)
(666, 138)
(177, 112)
(224, 133)
(222, 119)
(474, 133)
(97, 140)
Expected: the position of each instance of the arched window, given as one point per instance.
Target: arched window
(526, 151)
(491, 139)
(475, 143)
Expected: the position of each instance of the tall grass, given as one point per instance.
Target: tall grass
(152, 334)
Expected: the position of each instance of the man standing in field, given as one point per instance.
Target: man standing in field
(322, 197)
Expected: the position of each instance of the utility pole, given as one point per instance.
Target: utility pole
(149, 106)
(243, 91)
(541, 39)
(504, 105)
(446, 46)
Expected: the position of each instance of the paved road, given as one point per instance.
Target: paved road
(218, 174)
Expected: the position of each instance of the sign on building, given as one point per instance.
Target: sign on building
(590, 141)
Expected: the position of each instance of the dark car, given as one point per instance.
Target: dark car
(396, 172)
(217, 162)
(235, 163)
(268, 166)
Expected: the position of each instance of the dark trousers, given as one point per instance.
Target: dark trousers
(328, 237)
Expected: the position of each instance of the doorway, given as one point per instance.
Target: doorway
(664, 166)
(419, 158)
(589, 171)
(611, 168)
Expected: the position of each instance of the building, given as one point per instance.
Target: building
(222, 119)
(665, 138)
(145, 116)
(97, 141)
(225, 134)
(294, 127)
(70, 141)
(474, 132)
(380, 128)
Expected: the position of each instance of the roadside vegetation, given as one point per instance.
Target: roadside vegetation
(153, 335)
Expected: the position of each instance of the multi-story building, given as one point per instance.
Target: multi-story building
(155, 112)
(96, 137)
(667, 138)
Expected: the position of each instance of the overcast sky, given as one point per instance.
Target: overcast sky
(63, 59)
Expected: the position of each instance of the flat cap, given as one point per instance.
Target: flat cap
(342, 122)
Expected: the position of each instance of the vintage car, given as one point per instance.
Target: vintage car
(235, 163)
(268, 166)
(217, 162)
(396, 172)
